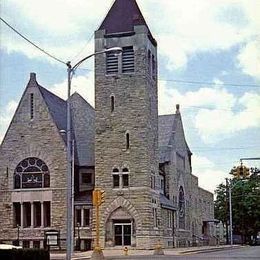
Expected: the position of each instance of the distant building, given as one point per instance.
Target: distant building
(140, 159)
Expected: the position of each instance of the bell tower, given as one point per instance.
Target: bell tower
(126, 137)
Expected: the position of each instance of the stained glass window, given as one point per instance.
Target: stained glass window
(31, 173)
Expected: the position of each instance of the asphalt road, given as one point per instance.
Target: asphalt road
(238, 254)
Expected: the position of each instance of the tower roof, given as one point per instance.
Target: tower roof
(122, 17)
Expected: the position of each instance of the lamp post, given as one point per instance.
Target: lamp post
(18, 235)
(230, 187)
(78, 240)
(70, 70)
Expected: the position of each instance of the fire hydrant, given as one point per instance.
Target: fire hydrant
(125, 251)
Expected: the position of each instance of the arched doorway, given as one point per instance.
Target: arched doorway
(120, 229)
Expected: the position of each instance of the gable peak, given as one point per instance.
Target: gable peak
(178, 109)
(32, 81)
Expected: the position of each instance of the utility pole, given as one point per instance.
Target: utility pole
(226, 206)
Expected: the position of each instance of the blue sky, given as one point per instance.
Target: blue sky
(215, 43)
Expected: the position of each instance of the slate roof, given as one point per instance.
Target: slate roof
(57, 108)
(82, 127)
(83, 120)
(165, 128)
(165, 135)
(122, 17)
(166, 203)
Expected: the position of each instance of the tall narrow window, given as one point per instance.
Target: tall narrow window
(47, 213)
(125, 178)
(78, 217)
(31, 106)
(153, 67)
(111, 63)
(37, 214)
(116, 178)
(127, 136)
(86, 217)
(17, 214)
(149, 61)
(181, 208)
(112, 101)
(128, 63)
(27, 214)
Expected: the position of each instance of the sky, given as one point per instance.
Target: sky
(209, 63)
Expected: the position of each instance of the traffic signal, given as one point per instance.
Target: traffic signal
(101, 197)
(245, 172)
(234, 171)
(240, 172)
(98, 197)
(95, 197)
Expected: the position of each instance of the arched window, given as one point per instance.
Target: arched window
(31, 173)
(125, 178)
(116, 178)
(112, 101)
(127, 137)
(181, 208)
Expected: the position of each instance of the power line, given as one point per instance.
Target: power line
(91, 36)
(199, 82)
(210, 83)
(36, 46)
(160, 79)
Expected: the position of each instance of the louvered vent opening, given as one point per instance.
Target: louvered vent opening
(128, 62)
(112, 63)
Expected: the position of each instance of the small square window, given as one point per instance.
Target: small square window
(116, 181)
(86, 178)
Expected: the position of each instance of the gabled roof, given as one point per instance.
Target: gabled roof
(166, 203)
(165, 136)
(122, 17)
(56, 106)
(82, 124)
(83, 121)
(165, 129)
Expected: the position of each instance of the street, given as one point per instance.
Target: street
(241, 253)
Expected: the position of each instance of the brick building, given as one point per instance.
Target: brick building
(140, 159)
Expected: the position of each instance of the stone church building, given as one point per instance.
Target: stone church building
(141, 160)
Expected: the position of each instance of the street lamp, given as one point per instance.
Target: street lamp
(230, 187)
(71, 69)
(78, 240)
(18, 235)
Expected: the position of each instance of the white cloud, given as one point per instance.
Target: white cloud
(84, 85)
(186, 27)
(61, 28)
(249, 58)
(209, 174)
(6, 116)
(217, 113)
(214, 125)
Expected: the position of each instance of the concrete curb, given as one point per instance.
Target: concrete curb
(207, 250)
(168, 252)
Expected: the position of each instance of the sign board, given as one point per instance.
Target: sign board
(52, 238)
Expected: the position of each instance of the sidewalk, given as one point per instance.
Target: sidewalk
(118, 253)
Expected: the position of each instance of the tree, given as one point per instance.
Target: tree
(245, 205)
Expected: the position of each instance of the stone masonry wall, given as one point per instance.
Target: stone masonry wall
(135, 113)
(39, 138)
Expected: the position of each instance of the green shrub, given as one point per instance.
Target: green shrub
(24, 254)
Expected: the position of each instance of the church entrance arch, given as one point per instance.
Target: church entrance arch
(120, 228)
